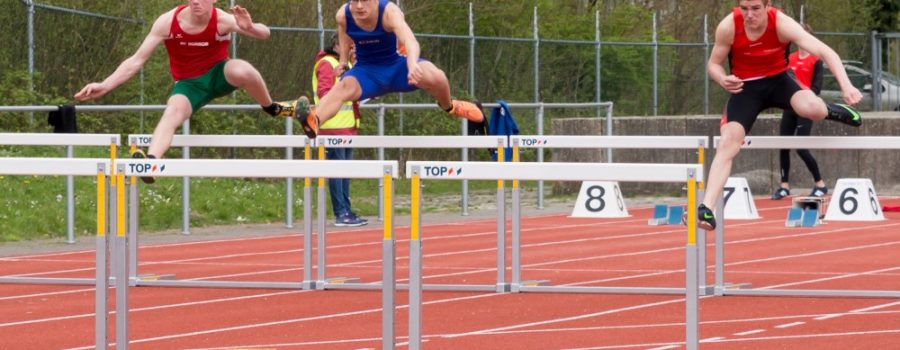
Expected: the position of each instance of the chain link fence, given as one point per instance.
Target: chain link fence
(658, 76)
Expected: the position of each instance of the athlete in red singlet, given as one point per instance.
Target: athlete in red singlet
(196, 37)
(754, 38)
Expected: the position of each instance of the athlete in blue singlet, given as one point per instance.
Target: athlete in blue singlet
(376, 27)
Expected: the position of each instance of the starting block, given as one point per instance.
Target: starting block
(666, 215)
(798, 217)
(805, 212)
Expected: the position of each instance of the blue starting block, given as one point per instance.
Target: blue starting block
(666, 215)
(805, 212)
(802, 217)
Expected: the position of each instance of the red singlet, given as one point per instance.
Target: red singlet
(192, 55)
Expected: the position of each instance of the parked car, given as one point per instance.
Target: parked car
(862, 79)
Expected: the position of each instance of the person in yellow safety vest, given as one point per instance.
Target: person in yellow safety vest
(326, 73)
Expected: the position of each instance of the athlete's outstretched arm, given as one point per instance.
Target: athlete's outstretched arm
(790, 30)
(130, 66)
(239, 21)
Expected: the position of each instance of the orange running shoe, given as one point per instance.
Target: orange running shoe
(468, 110)
(306, 114)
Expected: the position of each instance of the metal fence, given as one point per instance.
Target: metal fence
(673, 85)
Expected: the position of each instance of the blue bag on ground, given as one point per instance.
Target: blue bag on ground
(502, 123)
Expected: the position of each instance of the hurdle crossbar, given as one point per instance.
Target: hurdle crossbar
(410, 141)
(240, 141)
(799, 142)
(260, 168)
(554, 171)
(46, 139)
(818, 142)
(632, 142)
(50, 166)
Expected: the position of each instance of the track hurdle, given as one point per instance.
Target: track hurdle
(698, 143)
(101, 280)
(222, 141)
(799, 142)
(381, 142)
(386, 171)
(70, 141)
(686, 173)
(229, 141)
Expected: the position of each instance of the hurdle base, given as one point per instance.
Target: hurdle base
(720, 290)
(155, 277)
(342, 280)
(532, 283)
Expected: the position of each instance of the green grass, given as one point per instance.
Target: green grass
(34, 207)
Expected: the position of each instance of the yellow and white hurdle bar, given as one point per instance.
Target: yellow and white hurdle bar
(798, 142)
(689, 174)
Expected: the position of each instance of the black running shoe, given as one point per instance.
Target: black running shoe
(139, 154)
(818, 192)
(844, 114)
(705, 218)
(781, 193)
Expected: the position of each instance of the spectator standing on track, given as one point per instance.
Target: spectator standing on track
(755, 38)
(808, 69)
(344, 123)
(196, 37)
(375, 27)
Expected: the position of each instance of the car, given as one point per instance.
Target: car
(862, 80)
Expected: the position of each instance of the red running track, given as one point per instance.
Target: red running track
(565, 251)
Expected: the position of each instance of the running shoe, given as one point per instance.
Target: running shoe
(354, 215)
(781, 193)
(844, 114)
(346, 220)
(306, 114)
(139, 154)
(467, 110)
(705, 218)
(818, 192)
(283, 108)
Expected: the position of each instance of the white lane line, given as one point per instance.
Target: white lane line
(667, 347)
(714, 340)
(750, 332)
(826, 317)
(858, 311)
(789, 325)
(564, 319)
(671, 324)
